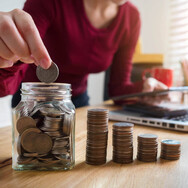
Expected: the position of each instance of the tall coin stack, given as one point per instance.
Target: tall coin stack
(97, 136)
(123, 142)
(170, 149)
(147, 147)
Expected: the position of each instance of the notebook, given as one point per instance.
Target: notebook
(166, 116)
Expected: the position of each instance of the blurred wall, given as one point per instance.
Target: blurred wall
(7, 5)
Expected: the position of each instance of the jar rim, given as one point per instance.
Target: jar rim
(45, 90)
(61, 86)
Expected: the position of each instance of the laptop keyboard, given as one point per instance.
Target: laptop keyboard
(180, 118)
(158, 111)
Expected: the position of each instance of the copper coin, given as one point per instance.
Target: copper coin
(24, 160)
(127, 153)
(66, 126)
(95, 152)
(96, 160)
(92, 134)
(19, 147)
(24, 123)
(30, 154)
(170, 147)
(97, 130)
(170, 152)
(43, 143)
(28, 139)
(123, 154)
(146, 160)
(169, 158)
(95, 163)
(122, 161)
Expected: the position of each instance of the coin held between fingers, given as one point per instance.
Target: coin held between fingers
(44, 63)
(48, 75)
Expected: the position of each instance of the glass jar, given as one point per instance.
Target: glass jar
(44, 128)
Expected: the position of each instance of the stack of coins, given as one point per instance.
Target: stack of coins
(147, 147)
(170, 149)
(52, 126)
(123, 142)
(97, 136)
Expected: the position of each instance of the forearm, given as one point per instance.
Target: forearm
(125, 88)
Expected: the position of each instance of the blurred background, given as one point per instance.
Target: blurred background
(163, 41)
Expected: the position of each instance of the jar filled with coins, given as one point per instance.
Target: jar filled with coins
(44, 128)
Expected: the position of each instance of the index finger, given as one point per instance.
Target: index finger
(29, 32)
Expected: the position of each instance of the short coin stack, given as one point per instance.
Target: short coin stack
(170, 149)
(147, 147)
(123, 142)
(97, 136)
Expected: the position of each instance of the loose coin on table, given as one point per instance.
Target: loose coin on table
(47, 75)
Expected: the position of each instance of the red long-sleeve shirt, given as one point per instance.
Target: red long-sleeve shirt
(78, 48)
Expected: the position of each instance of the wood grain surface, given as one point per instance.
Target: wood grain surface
(160, 174)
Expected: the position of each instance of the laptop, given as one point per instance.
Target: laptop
(166, 116)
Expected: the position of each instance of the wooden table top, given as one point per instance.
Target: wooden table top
(160, 174)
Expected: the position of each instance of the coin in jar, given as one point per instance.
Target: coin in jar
(43, 143)
(24, 123)
(47, 75)
(27, 139)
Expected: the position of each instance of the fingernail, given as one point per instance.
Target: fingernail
(27, 60)
(9, 63)
(44, 63)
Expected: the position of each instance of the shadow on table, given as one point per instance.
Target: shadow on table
(110, 164)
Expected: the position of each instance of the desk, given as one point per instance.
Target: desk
(160, 174)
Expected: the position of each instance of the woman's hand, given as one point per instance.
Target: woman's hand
(20, 40)
(151, 84)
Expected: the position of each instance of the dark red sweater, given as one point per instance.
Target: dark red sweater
(78, 48)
